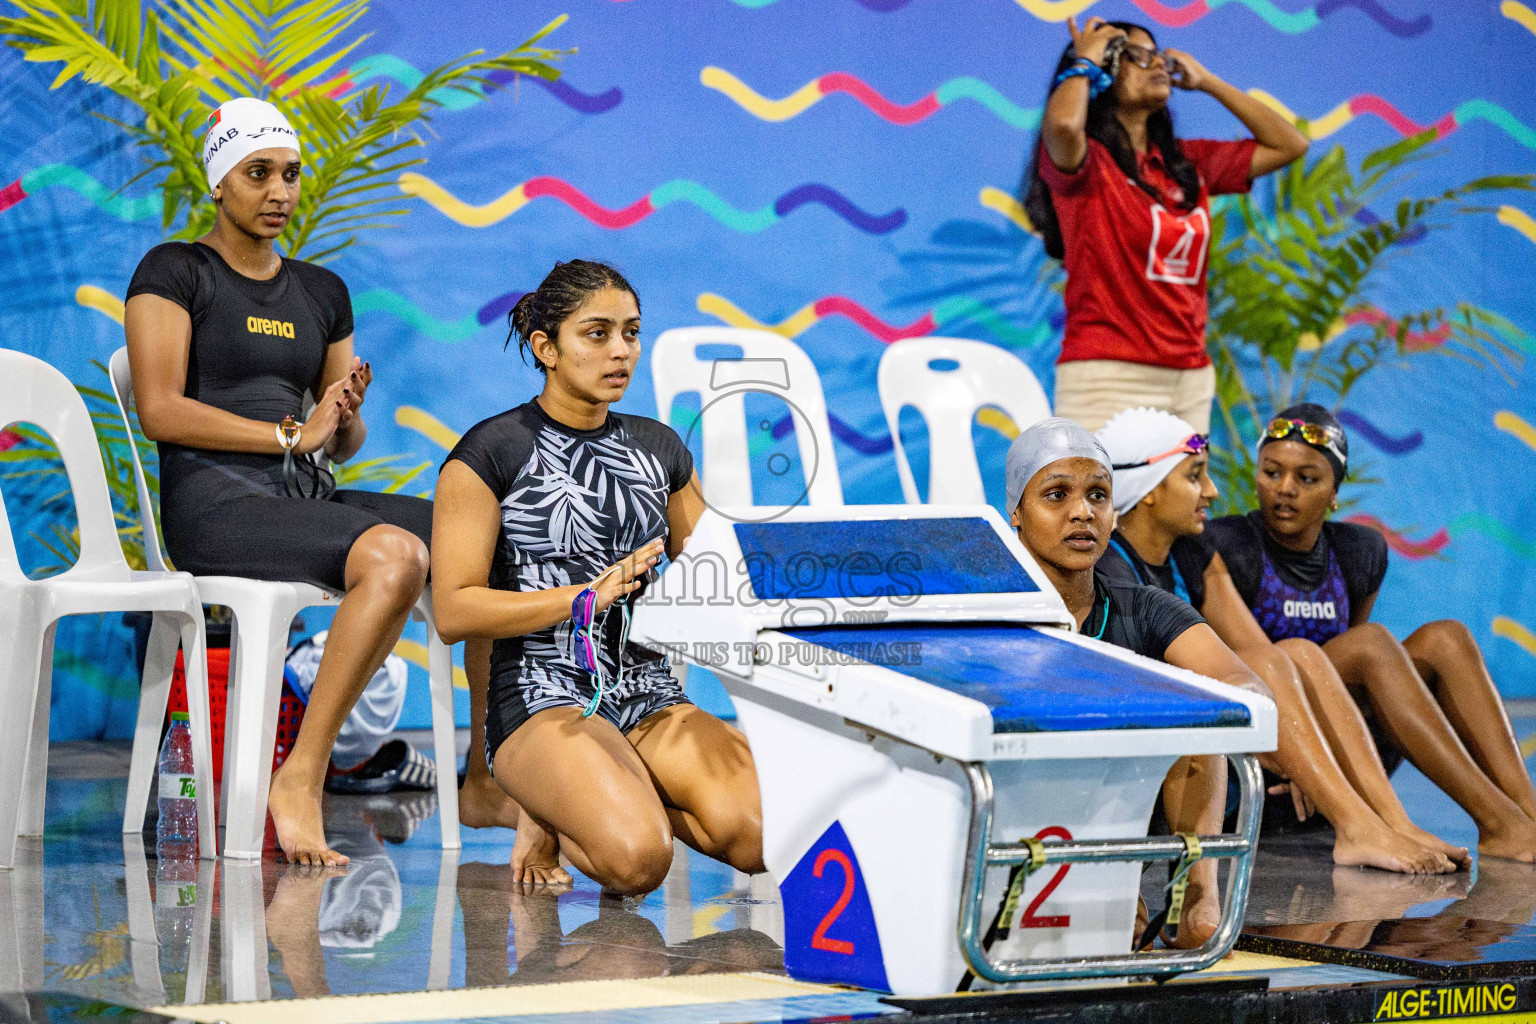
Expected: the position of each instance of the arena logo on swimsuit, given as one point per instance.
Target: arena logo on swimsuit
(1310, 610)
(281, 328)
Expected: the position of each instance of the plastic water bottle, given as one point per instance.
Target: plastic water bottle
(175, 904)
(178, 789)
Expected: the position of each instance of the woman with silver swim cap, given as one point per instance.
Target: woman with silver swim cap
(1059, 486)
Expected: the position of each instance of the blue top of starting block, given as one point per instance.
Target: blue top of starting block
(861, 558)
(1032, 681)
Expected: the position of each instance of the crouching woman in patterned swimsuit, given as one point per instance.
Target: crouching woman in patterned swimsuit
(533, 507)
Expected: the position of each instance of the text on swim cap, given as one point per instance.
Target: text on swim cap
(1303, 609)
(284, 329)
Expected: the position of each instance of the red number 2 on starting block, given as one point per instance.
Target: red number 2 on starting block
(819, 938)
(1028, 919)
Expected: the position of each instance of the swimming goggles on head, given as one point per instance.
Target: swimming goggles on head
(1315, 434)
(587, 637)
(1194, 444)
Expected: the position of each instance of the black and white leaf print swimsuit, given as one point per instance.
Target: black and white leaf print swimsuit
(573, 502)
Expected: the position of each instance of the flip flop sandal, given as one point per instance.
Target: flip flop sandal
(397, 765)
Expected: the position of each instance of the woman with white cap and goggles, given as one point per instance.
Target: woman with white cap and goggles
(1428, 698)
(225, 336)
(1059, 486)
(1162, 493)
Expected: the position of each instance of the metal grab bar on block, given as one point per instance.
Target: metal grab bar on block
(981, 854)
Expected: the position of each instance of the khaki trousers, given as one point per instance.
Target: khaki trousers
(1090, 391)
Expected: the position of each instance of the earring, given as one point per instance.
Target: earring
(1333, 506)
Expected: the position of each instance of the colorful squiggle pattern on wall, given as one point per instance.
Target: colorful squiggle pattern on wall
(122, 207)
(1369, 103)
(817, 89)
(1290, 22)
(949, 311)
(677, 190)
(387, 65)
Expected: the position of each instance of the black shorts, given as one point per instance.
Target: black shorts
(512, 702)
(300, 540)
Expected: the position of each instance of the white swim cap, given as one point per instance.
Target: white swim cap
(239, 128)
(1044, 443)
(1134, 436)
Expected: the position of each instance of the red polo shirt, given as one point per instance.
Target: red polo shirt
(1136, 266)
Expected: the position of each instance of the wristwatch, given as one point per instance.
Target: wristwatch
(288, 433)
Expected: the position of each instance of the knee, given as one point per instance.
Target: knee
(633, 864)
(1374, 634)
(1274, 669)
(1304, 654)
(1446, 638)
(741, 839)
(394, 559)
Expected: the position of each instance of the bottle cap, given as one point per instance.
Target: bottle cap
(180, 716)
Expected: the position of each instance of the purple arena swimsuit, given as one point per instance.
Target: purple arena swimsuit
(1319, 615)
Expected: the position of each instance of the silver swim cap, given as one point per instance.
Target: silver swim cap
(1044, 443)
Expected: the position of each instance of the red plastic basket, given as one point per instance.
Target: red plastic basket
(290, 713)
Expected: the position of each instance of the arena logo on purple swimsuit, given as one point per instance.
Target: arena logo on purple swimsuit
(1284, 612)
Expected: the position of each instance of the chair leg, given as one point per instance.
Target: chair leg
(243, 920)
(440, 960)
(34, 792)
(194, 644)
(250, 726)
(444, 738)
(154, 692)
(21, 648)
(143, 941)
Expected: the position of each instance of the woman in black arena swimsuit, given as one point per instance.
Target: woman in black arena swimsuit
(1162, 491)
(1430, 696)
(224, 338)
(535, 508)
(1059, 487)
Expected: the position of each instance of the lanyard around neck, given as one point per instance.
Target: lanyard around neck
(1180, 591)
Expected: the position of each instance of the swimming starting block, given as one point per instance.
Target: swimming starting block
(922, 715)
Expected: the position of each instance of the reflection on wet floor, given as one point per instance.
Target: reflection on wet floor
(1482, 916)
(404, 916)
(91, 912)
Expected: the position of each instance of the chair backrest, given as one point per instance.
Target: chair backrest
(948, 400)
(31, 391)
(122, 390)
(770, 364)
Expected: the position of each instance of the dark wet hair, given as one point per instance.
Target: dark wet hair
(560, 294)
(1311, 412)
(1105, 128)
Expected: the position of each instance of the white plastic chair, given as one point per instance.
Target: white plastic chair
(33, 392)
(263, 611)
(769, 364)
(948, 401)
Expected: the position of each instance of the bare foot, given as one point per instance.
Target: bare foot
(536, 855)
(1375, 845)
(295, 809)
(1515, 841)
(484, 804)
(1202, 909)
(1457, 855)
(293, 927)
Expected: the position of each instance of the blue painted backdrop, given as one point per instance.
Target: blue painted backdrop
(899, 113)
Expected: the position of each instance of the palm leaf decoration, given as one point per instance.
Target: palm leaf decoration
(1289, 280)
(178, 60)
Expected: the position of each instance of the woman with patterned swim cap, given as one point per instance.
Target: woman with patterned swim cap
(1058, 493)
(1162, 491)
(1428, 698)
(549, 518)
(225, 336)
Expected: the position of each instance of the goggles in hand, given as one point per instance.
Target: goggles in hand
(587, 638)
(1194, 444)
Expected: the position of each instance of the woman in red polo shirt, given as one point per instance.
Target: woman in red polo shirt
(1124, 204)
